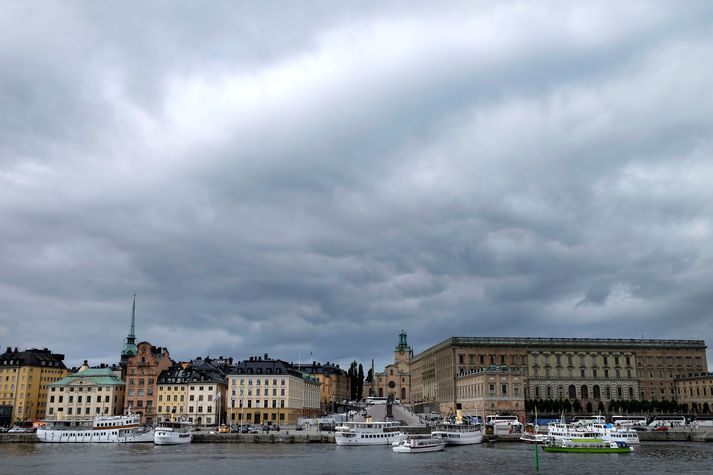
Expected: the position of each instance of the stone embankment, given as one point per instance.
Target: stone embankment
(298, 437)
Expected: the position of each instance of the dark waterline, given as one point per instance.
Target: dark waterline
(275, 459)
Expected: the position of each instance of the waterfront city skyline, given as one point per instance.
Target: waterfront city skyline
(305, 180)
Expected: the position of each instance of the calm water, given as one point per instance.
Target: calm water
(274, 459)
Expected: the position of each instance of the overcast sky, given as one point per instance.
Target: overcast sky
(307, 178)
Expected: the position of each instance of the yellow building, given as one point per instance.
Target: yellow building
(85, 394)
(194, 392)
(264, 390)
(694, 391)
(491, 390)
(24, 379)
(335, 387)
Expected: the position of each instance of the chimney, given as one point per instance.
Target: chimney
(230, 360)
(266, 357)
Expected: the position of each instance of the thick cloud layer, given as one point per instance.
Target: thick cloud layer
(307, 179)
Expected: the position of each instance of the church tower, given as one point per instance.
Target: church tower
(130, 348)
(403, 352)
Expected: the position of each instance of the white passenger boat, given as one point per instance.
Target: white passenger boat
(610, 433)
(173, 433)
(101, 429)
(368, 433)
(419, 443)
(459, 432)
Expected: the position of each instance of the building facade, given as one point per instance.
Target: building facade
(85, 394)
(262, 390)
(24, 380)
(194, 392)
(589, 370)
(142, 371)
(395, 380)
(695, 391)
(491, 390)
(334, 384)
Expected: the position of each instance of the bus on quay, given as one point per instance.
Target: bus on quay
(629, 421)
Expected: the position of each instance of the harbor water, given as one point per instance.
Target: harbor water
(275, 459)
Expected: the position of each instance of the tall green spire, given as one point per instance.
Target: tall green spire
(130, 345)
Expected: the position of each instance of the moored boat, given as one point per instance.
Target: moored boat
(459, 432)
(368, 433)
(173, 433)
(101, 429)
(419, 443)
(589, 445)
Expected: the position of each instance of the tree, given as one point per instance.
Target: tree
(360, 383)
(600, 407)
(706, 408)
(612, 406)
(566, 405)
(577, 406)
(589, 407)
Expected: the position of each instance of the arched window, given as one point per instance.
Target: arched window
(585, 392)
(595, 392)
(381, 392)
(403, 394)
(631, 393)
(549, 392)
(572, 392)
(560, 392)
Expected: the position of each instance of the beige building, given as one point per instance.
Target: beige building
(587, 369)
(262, 390)
(24, 380)
(194, 392)
(695, 390)
(491, 390)
(85, 394)
(395, 381)
(334, 384)
(142, 371)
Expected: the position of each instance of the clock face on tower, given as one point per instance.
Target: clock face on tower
(401, 352)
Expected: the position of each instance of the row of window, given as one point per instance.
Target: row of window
(87, 400)
(266, 381)
(175, 409)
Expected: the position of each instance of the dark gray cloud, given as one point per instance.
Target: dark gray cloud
(308, 179)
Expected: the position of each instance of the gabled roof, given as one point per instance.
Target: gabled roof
(32, 357)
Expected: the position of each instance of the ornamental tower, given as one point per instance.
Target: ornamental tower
(130, 344)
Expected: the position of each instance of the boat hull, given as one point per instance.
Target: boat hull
(91, 437)
(459, 438)
(163, 438)
(589, 450)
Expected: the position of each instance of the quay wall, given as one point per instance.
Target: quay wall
(304, 438)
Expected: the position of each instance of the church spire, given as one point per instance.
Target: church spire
(130, 345)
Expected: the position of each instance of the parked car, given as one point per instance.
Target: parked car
(253, 429)
(18, 429)
(270, 426)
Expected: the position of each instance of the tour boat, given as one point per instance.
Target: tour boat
(610, 433)
(459, 434)
(502, 424)
(419, 443)
(587, 444)
(173, 433)
(368, 433)
(101, 429)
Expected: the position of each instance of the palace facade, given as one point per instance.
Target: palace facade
(588, 369)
